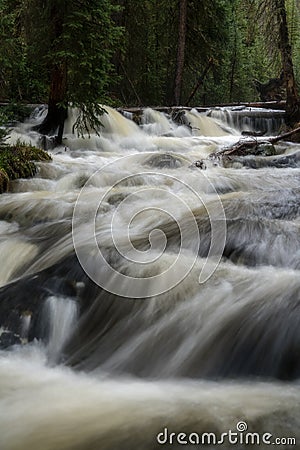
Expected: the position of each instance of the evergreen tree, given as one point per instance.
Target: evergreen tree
(82, 39)
(207, 38)
(71, 47)
(246, 56)
(11, 52)
(149, 51)
(161, 64)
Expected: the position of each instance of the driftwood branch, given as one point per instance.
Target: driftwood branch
(283, 136)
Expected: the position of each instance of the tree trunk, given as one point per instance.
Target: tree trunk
(292, 98)
(180, 50)
(233, 61)
(57, 113)
(57, 109)
(244, 147)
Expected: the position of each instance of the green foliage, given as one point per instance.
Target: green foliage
(151, 35)
(227, 31)
(208, 30)
(31, 44)
(16, 161)
(21, 78)
(9, 50)
(269, 26)
(12, 112)
(80, 42)
(88, 118)
(86, 43)
(149, 50)
(124, 51)
(3, 122)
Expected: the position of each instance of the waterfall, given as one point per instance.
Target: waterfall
(203, 125)
(60, 317)
(250, 119)
(142, 296)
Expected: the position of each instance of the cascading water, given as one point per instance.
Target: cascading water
(60, 317)
(250, 119)
(142, 296)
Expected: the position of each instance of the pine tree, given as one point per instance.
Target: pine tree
(82, 39)
(11, 52)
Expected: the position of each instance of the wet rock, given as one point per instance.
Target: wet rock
(8, 338)
(200, 164)
(116, 198)
(162, 161)
(47, 142)
(27, 296)
(179, 117)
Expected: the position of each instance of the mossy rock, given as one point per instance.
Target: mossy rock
(17, 161)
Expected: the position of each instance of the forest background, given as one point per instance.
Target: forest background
(142, 52)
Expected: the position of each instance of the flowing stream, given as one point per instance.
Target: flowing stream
(143, 296)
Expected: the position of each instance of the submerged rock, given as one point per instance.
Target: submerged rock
(162, 161)
(61, 280)
(8, 338)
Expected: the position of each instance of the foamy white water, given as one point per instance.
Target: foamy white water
(147, 348)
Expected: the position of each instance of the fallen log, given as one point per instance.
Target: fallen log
(243, 146)
(278, 106)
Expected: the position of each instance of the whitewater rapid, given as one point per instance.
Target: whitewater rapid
(141, 294)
